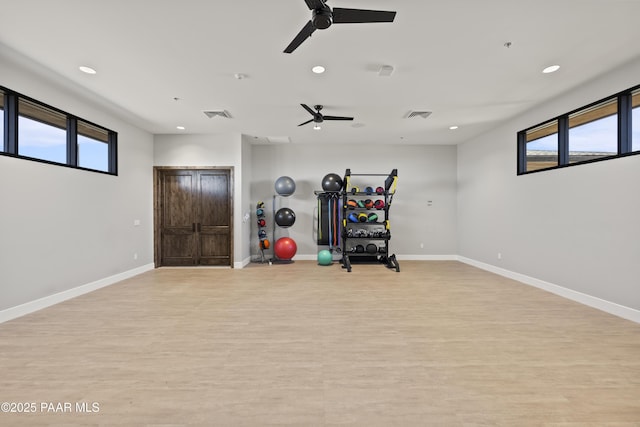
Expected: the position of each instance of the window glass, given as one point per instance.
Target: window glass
(542, 146)
(1, 121)
(593, 132)
(42, 132)
(93, 147)
(635, 121)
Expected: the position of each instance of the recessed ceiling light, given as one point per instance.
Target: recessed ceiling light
(551, 69)
(318, 69)
(180, 127)
(453, 127)
(87, 70)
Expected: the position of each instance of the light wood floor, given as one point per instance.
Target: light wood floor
(438, 344)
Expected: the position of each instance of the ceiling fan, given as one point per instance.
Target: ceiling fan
(318, 117)
(323, 16)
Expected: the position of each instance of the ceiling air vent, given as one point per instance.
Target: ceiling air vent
(217, 113)
(423, 114)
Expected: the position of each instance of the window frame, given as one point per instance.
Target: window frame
(10, 139)
(624, 134)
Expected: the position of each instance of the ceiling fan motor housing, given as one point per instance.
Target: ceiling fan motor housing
(322, 18)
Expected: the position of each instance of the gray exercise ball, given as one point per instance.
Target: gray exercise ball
(285, 186)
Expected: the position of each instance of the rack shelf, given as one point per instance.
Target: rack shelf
(352, 243)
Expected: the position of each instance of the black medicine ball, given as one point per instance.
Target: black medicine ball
(332, 182)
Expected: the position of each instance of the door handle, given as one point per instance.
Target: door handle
(193, 227)
(199, 227)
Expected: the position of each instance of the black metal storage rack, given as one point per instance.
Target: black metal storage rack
(367, 240)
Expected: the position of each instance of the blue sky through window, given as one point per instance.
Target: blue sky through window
(93, 154)
(41, 141)
(597, 136)
(635, 122)
(1, 125)
(600, 136)
(45, 142)
(547, 143)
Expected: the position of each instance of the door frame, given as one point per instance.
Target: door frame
(157, 208)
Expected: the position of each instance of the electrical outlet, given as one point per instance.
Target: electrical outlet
(421, 245)
(135, 255)
(136, 222)
(499, 255)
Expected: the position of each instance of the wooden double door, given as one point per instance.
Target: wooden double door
(194, 217)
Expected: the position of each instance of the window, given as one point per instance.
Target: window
(635, 121)
(542, 146)
(606, 129)
(593, 132)
(42, 132)
(93, 147)
(2, 119)
(32, 130)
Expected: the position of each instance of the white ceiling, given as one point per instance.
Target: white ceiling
(449, 58)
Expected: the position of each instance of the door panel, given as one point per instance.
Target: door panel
(214, 246)
(178, 198)
(179, 249)
(214, 198)
(178, 218)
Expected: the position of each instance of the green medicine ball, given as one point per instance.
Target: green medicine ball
(324, 257)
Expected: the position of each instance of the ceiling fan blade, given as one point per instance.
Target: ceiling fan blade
(337, 118)
(314, 4)
(308, 121)
(306, 107)
(304, 34)
(357, 16)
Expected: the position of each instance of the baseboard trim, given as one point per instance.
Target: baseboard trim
(48, 301)
(243, 263)
(591, 301)
(427, 257)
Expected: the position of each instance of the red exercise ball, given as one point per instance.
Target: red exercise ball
(285, 248)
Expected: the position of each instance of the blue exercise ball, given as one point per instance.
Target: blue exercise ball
(285, 186)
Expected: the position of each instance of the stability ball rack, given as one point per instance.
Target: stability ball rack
(365, 224)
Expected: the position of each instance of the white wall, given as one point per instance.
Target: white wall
(248, 205)
(425, 173)
(574, 227)
(62, 228)
(221, 150)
